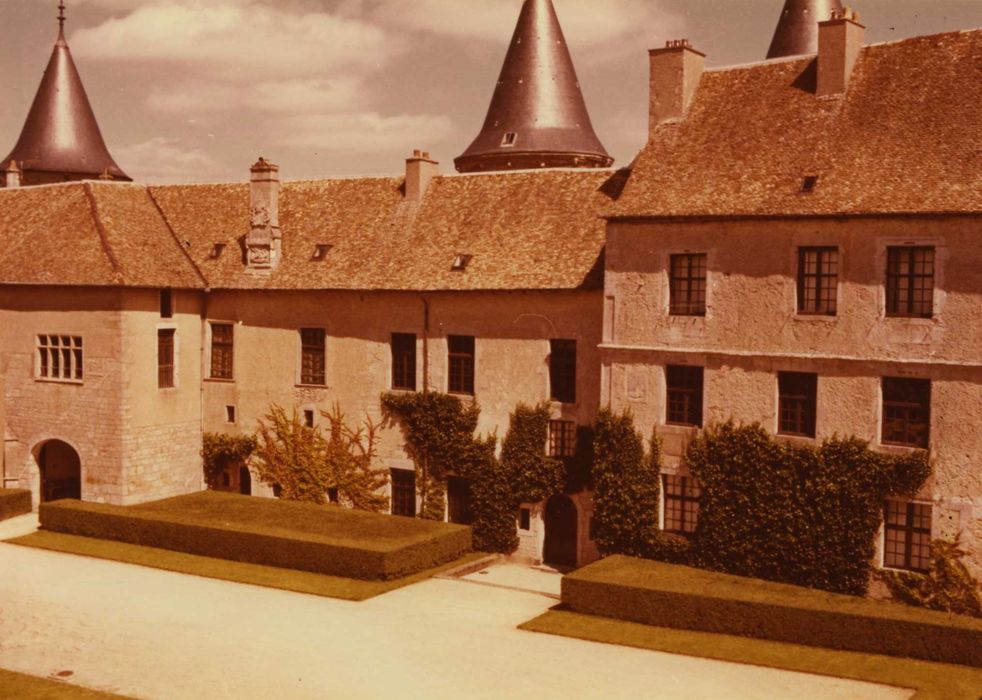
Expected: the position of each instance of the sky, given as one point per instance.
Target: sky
(196, 90)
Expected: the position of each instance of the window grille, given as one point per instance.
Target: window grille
(685, 387)
(312, 360)
(687, 291)
(403, 492)
(404, 361)
(797, 400)
(907, 535)
(222, 350)
(562, 439)
(818, 281)
(60, 357)
(682, 494)
(165, 358)
(461, 364)
(910, 281)
(906, 411)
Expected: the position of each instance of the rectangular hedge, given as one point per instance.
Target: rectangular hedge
(14, 502)
(313, 538)
(680, 597)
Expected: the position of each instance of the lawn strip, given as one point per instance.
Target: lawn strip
(932, 681)
(25, 687)
(225, 570)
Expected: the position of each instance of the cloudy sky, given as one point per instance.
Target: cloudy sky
(194, 90)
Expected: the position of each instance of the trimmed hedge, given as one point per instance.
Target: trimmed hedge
(14, 502)
(666, 595)
(307, 537)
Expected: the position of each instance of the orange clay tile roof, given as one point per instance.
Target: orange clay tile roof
(906, 137)
(525, 231)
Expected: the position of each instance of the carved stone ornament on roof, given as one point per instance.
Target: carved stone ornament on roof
(260, 256)
(260, 217)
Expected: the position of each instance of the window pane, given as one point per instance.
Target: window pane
(404, 361)
(460, 364)
(403, 492)
(222, 349)
(907, 535)
(818, 280)
(687, 285)
(165, 358)
(906, 411)
(562, 438)
(797, 399)
(562, 370)
(312, 361)
(910, 281)
(684, 400)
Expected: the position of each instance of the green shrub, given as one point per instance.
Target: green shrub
(948, 587)
(666, 595)
(533, 476)
(14, 502)
(794, 513)
(220, 451)
(626, 488)
(303, 536)
(493, 503)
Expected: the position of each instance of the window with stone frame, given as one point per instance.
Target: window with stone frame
(684, 395)
(222, 350)
(60, 358)
(460, 364)
(562, 439)
(910, 281)
(404, 361)
(403, 500)
(681, 494)
(313, 364)
(165, 358)
(562, 370)
(818, 281)
(797, 403)
(687, 284)
(907, 535)
(906, 411)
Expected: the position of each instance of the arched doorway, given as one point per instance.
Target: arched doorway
(61, 471)
(245, 481)
(561, 527)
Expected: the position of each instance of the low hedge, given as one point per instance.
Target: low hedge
(306, 537)
(14, 502)
(680, 597)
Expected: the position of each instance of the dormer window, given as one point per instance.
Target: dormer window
(461, 262)
(510, 138)
(216, 251)
(320, 252)
(809, 184)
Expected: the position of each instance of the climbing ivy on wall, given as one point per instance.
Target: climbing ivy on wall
(219, 451)
(794, 513)
(949, 586)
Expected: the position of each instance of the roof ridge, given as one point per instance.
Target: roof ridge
(103, 234)
(173, 233)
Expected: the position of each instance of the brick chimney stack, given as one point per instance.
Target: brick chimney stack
(263, 243)
(840, 41)
(420, 169)
(12, 175)
(675, 74)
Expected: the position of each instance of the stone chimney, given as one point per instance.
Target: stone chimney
(420, 169)
(12, 175)
(840, 40)
(675, 74)
(263, 243)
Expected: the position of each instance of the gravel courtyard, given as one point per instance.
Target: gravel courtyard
(155, 634)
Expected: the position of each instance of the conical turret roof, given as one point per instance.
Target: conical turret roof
(797, 30)
(537, 118)
(61, 139)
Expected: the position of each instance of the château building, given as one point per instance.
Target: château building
(793, 245)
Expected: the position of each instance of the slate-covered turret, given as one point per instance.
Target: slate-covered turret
(61, 140)
(797, 30)
(537, 118)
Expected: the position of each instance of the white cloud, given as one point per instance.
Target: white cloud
(299, 96)
(167, 160)
(362, 132)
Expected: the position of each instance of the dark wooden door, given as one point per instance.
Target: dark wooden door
(245, 481)
(459, 500)
(61, 471)
(561, 535)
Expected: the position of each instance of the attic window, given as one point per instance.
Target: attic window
(320, 252)
(216, 251)
(510, 138)
(809, 183)
(461, 262)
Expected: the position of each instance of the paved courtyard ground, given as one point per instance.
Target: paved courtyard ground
(155, 634)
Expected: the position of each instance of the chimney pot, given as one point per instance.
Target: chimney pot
(675, 74)
(840, 41)
(420, 170)
(263, 242)
(12, 175)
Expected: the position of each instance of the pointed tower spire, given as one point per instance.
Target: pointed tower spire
(537, 118)
(797, 30)
(61, 139)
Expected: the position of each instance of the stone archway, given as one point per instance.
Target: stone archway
(60, 469)
(561, 532)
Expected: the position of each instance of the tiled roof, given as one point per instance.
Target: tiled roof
(525, 230)
(89, 234)
(906, 137)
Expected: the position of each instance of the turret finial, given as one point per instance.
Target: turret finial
(61, 16)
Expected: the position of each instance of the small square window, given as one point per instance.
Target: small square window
(509, 139)
(525, 519)
(308, 418)
(230, 414)
(562, 439)
(320, 252)
(60, 357)
(216, 251)
(809, 184)
(460, 262)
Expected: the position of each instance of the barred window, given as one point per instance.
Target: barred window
(222, 335)
(797, 399)
(165, 358)
(562, 370)
(907, 535)
(562, 438)
(687, 290)
(906, 411)
(460, 362)
(404, 361)
(60, 357)
(682, 494)
(910, 281)
(403, 492)
(684, 395)
(818, 279)
(312, 361)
